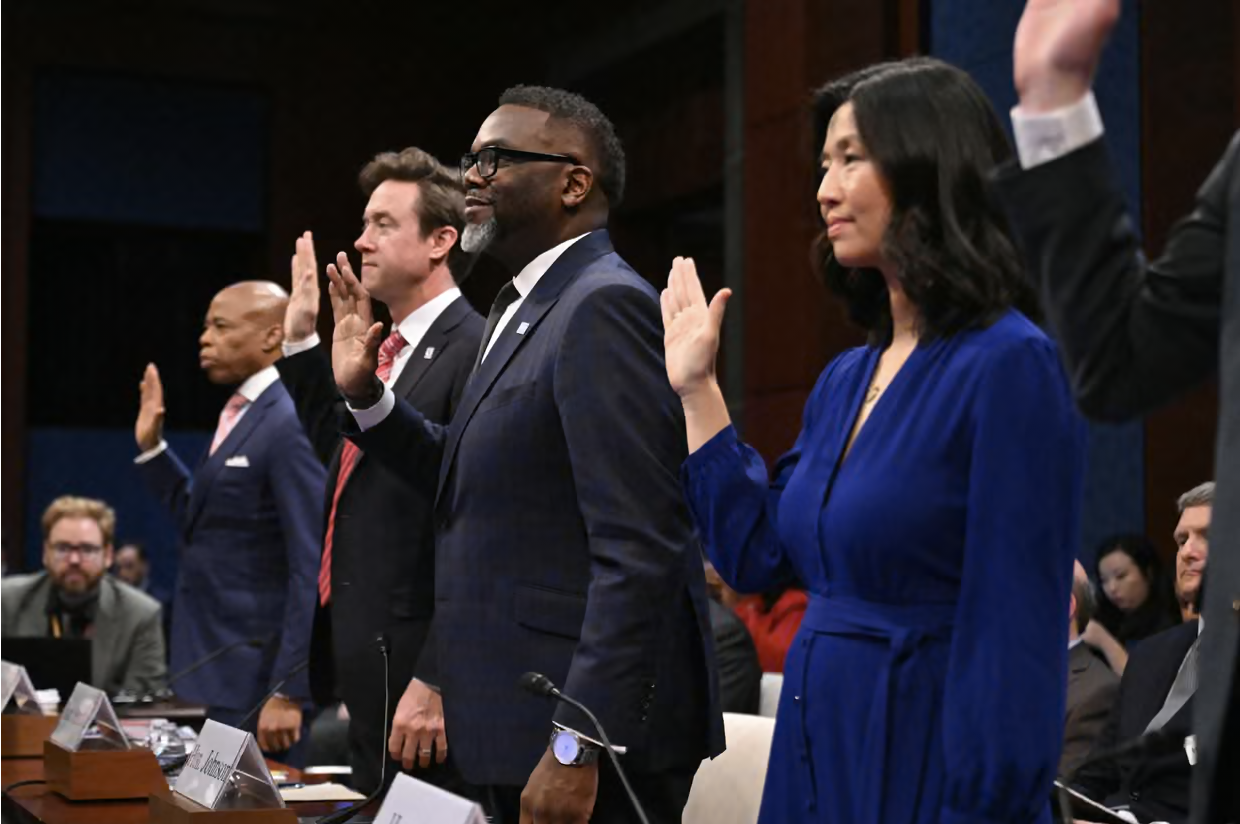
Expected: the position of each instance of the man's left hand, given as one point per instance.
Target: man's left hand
(558, 793)
(279, 724)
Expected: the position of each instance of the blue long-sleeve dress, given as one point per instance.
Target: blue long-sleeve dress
(928, 679)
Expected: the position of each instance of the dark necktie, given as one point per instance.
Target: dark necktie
(506, 297)
(1181, 690)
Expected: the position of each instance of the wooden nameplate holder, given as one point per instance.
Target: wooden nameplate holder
(167, 807)
(22, 736)
(101, 775)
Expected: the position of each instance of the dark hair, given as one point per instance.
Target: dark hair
(934, 138)
(585, 116)
(1159, 610)
(441, 195)
(137, 546)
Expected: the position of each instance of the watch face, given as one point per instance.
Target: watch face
(565, 747)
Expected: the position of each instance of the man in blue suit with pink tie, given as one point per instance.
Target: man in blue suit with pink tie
(249, 518)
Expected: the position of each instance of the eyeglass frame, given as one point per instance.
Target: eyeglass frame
(64, 549)
(471, 159)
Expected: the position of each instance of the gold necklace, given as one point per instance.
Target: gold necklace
(872, 393)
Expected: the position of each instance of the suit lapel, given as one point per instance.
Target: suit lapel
(236, 439)
(430, 347)
(103, 642)
(511, 337)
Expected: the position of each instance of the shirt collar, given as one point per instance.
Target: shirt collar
(528, 277)
(257, 384)
(416, 324)
(1074, 643)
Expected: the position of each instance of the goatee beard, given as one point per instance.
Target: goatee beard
(478, 236)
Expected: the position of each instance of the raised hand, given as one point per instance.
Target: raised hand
(356, 339)
(1058, 43)
(691, 329)
(302, 314)
(149, 429)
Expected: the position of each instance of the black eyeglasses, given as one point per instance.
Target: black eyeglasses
(487, 160)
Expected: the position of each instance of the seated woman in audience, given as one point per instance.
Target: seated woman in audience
(1135, 598)
(931, 502)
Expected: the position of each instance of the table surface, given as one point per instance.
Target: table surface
(37, 803)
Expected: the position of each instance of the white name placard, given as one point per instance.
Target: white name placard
(89, 719)
(227, 771)
(410, 800)
(18, 690)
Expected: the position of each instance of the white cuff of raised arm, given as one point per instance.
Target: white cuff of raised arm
(375, 415)
(1041, 138)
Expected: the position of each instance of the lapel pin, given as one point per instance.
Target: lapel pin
(430, 351)
(524, 326)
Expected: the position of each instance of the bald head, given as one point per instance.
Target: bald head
(1083, 602)
(243, 331)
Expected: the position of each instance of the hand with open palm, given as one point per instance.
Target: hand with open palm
(691, 329)
(1058, 43)
(356, 339)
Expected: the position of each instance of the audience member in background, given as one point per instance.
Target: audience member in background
(250, 519)
(740, 674)
(377, 574)
(1135, 601)
(1155, 696)
(928, 679)
(133, 566)
(1092, 686)
(74, 598)
(1192, 540)
(772, 618)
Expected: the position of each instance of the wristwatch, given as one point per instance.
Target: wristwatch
(571, 750)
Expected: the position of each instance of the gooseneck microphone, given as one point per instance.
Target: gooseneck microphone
(341, 816)
(540, 684)
(279, 686)
(255, 642)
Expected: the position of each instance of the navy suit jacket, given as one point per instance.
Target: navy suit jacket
(563, 542)
(250, 520)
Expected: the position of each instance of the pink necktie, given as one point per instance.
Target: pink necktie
(228, 419)
(349, 454)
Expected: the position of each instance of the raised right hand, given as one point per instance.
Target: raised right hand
(356, 339)
(149, 429)
(690, 329)
(1058, 44)
(302, 314)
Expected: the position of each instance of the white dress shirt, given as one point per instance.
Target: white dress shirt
(525, 281)
(251, 389)
(1041, 138)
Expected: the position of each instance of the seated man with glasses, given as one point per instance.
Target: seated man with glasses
(74, 598)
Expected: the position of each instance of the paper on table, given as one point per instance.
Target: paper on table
(321, 792)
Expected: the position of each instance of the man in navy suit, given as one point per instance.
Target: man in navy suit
(377, 575)
(564, 545)
(249, 518)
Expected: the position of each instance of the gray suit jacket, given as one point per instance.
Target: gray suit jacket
(1093, 689)
(1136, 335)
(127, 651)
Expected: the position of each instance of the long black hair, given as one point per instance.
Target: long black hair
(935, 138)
(1158, 612)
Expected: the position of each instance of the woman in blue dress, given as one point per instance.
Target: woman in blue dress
(931, 501)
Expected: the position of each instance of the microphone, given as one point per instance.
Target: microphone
(341, 816)
(256, 642)
(279, 686)
(540, 684)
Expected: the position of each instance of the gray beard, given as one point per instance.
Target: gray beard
(478, 236)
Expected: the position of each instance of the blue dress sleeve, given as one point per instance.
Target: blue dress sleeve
(1007, 672)
(735, 504)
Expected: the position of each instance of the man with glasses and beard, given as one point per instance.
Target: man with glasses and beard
(563, 542)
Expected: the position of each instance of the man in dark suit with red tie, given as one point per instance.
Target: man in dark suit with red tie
(563, 542)
(377, 572)
(1135, 335)
(249, 518)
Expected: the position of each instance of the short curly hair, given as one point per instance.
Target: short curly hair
(72, 506)
(584, 115)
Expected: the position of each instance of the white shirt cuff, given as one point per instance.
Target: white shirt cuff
(306, 345)
(153, 452)
(1041, 138)
(375, 415)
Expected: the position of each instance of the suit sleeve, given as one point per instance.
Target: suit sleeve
(1097, 781)
(1010, 641)
(406, 443)
(297, 480)
(1133, 336)
(1084, 726)
(148, 669)
(308, 378)
(168, 478)
(625, 439)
